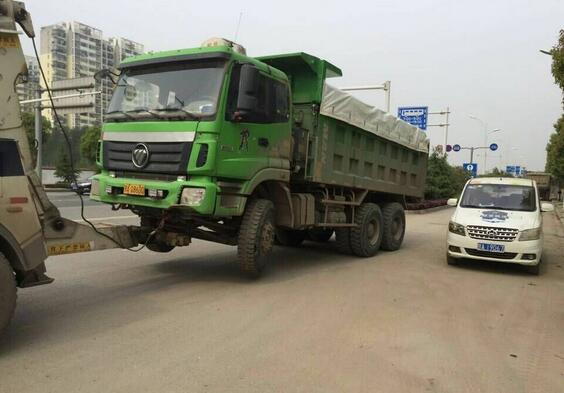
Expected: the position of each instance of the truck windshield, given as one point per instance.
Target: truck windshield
(499, 196)
(187, 89)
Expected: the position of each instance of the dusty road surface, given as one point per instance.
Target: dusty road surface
(318, 322)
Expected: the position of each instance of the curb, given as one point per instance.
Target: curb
(430, 210)
(56, 189)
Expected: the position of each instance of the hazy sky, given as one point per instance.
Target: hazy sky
(477, 57)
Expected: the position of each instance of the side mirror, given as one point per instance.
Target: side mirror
(452, 202)
(547, 207)
(247, 102)
(106, 73)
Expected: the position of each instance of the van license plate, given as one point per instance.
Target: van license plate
(491, 247)
(134, 189)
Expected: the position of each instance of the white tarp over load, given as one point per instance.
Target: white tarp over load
(343, 106)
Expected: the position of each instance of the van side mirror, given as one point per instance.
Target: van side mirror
(452, 202)
(247, 102)
(546, 207)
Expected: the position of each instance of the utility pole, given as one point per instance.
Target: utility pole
(445, 113)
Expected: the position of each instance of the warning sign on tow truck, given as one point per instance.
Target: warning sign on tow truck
(69, 248)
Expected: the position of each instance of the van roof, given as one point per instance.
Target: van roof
(502, 180)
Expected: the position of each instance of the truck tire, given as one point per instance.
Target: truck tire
(393, 229)
(320, 235)
(7, 293)
(343, 240)
(289, 237)
(367, 236)
(256, 237)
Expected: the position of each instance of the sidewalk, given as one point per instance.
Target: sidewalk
(559, 209)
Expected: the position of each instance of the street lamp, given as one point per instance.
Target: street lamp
(486, 133)
(386, 86)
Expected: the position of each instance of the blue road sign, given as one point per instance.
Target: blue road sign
(510, 169)
(471, 167)
(494, 147)
(414, 115)
(517, 170)
(456, 147)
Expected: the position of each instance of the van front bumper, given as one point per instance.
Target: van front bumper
(520, 252)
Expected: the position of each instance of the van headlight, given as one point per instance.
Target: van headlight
(530, 234)
(192, 196)
(457, 228)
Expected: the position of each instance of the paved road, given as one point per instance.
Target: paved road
(318, 322)
(69, 206)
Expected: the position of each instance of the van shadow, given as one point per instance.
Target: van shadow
(504, 268)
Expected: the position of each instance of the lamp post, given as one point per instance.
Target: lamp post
(486, 132)
(386, 86)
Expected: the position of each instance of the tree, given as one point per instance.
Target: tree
(64, 170)
(89, 144)
(555, 151)
(28, 123)
(443, 180)
(496, 172)
(555, 146)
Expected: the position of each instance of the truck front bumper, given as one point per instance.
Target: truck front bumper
(157, 194)
(520, 252)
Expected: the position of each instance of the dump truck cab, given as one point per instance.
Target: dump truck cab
(194, 129)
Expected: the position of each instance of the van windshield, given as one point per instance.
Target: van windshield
(499, 196)
(182, 89)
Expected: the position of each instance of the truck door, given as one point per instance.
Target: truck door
(259, 138)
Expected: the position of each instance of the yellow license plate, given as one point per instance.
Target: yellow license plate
(134, 189)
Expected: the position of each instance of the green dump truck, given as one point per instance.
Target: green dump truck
(212, 144)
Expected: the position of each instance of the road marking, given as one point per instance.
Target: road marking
(106, 218)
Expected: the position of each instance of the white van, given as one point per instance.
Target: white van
(497, 219)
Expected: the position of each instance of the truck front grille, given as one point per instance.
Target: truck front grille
(164, 157)
(492, 233)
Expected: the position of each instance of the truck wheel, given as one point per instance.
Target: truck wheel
(320, 235)
(256, 237)
(343, 240)
(7, 292)
(289, 237)
(393, 229)
(367, 236)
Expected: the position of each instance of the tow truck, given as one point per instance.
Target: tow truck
(31, 227)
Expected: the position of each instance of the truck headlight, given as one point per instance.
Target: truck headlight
(192, 196)
(530, 234)
(457, 228)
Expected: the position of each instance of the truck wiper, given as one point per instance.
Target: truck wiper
(124, 114)
(180, 110)
(149, 111)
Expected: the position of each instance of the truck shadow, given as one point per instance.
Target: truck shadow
(285, 263)
(82, 309)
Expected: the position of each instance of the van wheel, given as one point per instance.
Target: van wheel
(393, 229)
(256, 237)
(451, 260)
(366, 238)
(8, 293)
(343, 240)
(534, 269)
(320, 235)
(289, 237)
